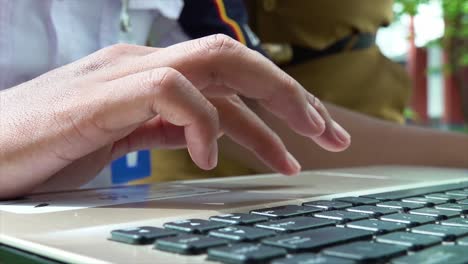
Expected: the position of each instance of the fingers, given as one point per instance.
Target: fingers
(155, 133)
(334, 138)
(219, 61)
(165, 92)
(247, 129)
(238, 122)
(219, 67)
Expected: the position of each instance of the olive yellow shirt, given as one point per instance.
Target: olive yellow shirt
(362, 80)
(316, 23)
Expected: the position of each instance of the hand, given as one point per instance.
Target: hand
(63, 127)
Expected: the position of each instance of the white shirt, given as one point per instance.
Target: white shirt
(39, 35)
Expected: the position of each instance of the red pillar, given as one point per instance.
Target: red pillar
(452, 100)
(417, 68)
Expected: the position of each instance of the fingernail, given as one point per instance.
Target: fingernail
(293, 163)
(316, 118)
(213, 156)
(341, 133)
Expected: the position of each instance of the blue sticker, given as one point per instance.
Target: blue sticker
(133, 166)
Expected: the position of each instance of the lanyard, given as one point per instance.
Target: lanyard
(125, 35)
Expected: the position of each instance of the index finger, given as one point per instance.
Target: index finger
(221, 61)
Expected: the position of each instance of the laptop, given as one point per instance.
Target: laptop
(357, 215)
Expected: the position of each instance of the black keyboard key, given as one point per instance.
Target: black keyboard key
(403, 206)
(448, 233)
(355, 201)
(439, 196)
(195, 226)
(397, 195)
(411, 240)
(239, 219)
(142, 235)
(461, 193)
(437, 255)
(410, 220)
(245, 253)
(309, 258)
(315, 239)
(439, 214)
(286, 211)
(372, 210)
(461, 222)
(423, 200)
(366, 251)
(241, 233)
(463, 241)
(448, 198)
(377, 226)
(328, 205)
(461, 208)
(189, 244)
(294, 224)
(342, 216)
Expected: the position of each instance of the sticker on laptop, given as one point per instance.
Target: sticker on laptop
(81, 199)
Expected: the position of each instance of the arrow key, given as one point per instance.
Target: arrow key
(194, 226)
(239, 218)
(295, 224)
(286, 211)
(241, 233)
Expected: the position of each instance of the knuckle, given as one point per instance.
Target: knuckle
(288, 86)
(287, 83)
(317, 103)
(163, 79)
(220, 43)
(162, 83)
(284, 90)
(235, 99)
(97, 121)
(217, 47)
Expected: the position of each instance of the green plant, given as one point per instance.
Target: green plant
(409, 7)
(454, 41)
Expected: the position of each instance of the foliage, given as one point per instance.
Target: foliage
(409, 7)
(456, 30)
(454, 41)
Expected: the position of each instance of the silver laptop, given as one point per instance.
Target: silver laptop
(359, 215)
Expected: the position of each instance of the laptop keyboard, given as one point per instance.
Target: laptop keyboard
(423, 225)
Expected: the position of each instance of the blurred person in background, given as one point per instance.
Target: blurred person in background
(329, 47)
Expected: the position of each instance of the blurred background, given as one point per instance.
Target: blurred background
(430, 37)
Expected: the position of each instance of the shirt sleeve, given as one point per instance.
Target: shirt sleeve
(201, 18)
